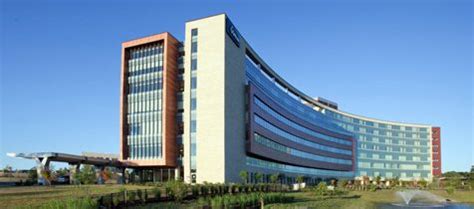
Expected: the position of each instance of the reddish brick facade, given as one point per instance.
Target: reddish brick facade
(436, 150)
(170, 87)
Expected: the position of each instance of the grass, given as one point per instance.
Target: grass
(35, 196)
(361, 199)
(12, 197)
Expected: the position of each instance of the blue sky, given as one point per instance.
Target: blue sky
(407, 61)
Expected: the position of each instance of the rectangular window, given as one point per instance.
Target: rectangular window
(193, 47)
(193, 103)
(193, 126)
(193, 64)
(193, 82)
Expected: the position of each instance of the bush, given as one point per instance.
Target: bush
(342, 183)
(157, 193)
(373, 188)
(176, 190)
(321, 189)
(450, 190)
(79, 203)
(131, 196)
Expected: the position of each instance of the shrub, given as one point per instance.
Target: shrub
(157, 193)
(321, 189)
(79, 203)
(450, 190)
(132, 196)
(176, 190)
(244, 176)
(342, 183)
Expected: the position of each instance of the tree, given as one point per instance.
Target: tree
(377, 179)
(62, 172)
(342, 183)
(33, 174)
(86, 175)
(258, 177)
(274, 177)
(423, 183)
(396, 181)
(8, 171)
(244, 175)
(300, 179)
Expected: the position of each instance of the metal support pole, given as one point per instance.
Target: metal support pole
(121, 175)
(73, 170)
(176, 174)
(99, 171)
(42, 169)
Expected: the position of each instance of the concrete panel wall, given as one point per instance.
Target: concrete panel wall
(210, 90)
(234, 109)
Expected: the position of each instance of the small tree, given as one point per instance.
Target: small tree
(258, 177)
(321, 188)
(342, 183)
(33, 175)
(423, 183)
(244, 175)
(62, 172)
(378, 179)
(274, 177)
(300, 179)
(86, 175)
(8, 171)
(396, 181)
(176, 190)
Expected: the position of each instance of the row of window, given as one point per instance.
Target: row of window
(397, 149)
(390, 174)
(292, 124)
(145, 128)
(144, 99)
(282, 148)
(260, 121)
(290, 103)
(142, 104)
(391, 141)
(374, 156)
(144, 151)
(398, 166)
(150, 50)
(373, 126)
(145, 71)
(284, 168)
(147, 87)
(193, 122)
(144, 139)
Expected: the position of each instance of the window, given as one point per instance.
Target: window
(194, 33)
(193, 47)
(193, 126)
(193, 64)
(193, 82)
(193, 103)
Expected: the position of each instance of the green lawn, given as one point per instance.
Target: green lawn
(362, 199)
(36, 195)
(12, 197)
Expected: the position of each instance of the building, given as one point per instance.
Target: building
(209, 107)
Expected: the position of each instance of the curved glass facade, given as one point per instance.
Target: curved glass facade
(388, 149)
(381, 148)
(290, 137)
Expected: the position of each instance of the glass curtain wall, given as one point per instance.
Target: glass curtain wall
(144, 98)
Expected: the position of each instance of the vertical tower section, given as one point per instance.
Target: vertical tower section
(436, 150)
(148, 104)
(204, 137)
